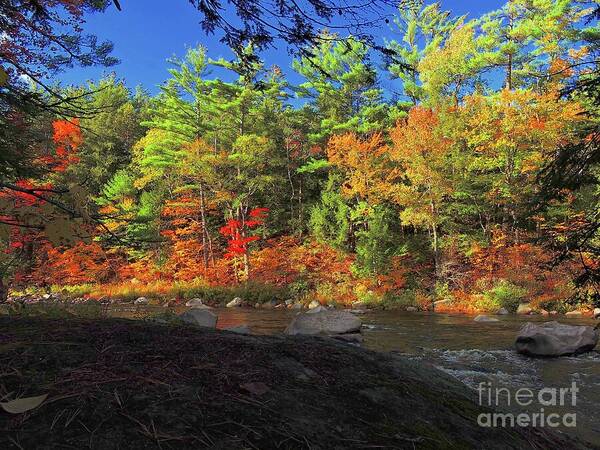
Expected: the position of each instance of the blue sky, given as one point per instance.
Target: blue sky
(147, 32)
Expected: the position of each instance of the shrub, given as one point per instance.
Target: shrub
(503, 294)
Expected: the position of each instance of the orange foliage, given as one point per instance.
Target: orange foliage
(83, 263)
(523, 264)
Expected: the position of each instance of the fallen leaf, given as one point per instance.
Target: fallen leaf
(21, 405)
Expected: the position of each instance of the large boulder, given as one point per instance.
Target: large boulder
(324, 322)
(555, 339)
(235, 302)
(200, 317)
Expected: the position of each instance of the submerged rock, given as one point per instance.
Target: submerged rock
(141, 301)
(240, 329)
(325, 322)
(555, 339)
(235, 302)
(484, 318)
(200, 317)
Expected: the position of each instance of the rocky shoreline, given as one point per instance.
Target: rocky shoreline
(358, 307)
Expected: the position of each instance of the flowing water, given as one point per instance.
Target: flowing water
(473, 352)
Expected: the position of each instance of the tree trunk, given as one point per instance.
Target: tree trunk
(3, 291)
(204, 231)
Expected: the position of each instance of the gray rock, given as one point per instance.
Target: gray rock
(269, 305)
(553, 313)
(555, 339)
(235, 302)
(325, 322)
(502, 312)
(543, 312)
(316, 310)
(524, 309)
(194, 302)
(313, 304)
(289, 302)
(358, 311)
(200, 317)
(411, 308)
(358, 305)
(240, 329)
(596, 313)
(141, 301)
(297, 305)
(574, 314)
(484, 318)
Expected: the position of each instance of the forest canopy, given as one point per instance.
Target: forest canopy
(477, 184)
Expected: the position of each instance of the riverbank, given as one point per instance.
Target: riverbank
(260, 297)
(114, 381)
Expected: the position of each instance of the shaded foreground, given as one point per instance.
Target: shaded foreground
(132, 384)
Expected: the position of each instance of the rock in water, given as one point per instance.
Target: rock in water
(555, 339)
(200, 317)
(502, 312)
(317, 309)
(573, 314)
(313, 304)
(235, 302)
(325, 322)
(141, 301)
(596, 313)
(240, 329)
(484, 318)
(194, 302)
(524, 309)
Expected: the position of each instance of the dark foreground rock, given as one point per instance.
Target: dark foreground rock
(555, 339)
(132, 384)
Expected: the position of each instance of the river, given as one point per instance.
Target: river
(473, 352)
